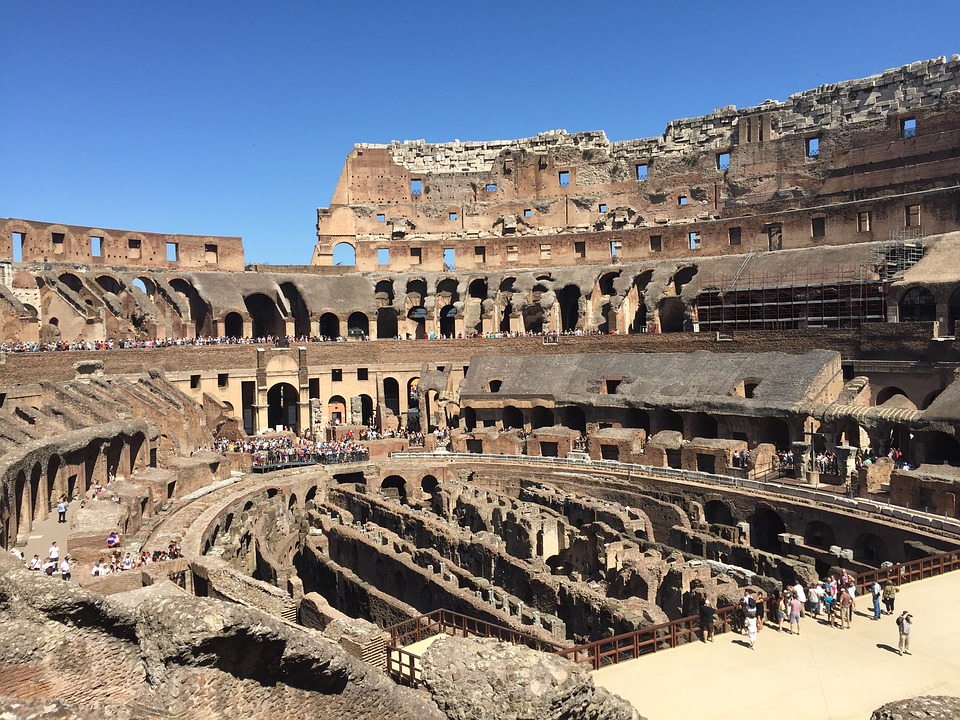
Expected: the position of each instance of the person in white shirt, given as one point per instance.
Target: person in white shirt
(54, 553)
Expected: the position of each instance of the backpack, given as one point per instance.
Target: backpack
(899, 620)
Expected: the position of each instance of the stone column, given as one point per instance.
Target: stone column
(801, 463)
(846, 459)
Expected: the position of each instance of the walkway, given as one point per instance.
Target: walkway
(822, 673)
(46, 532)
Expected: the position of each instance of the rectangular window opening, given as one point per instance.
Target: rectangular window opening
(544, 252)
(383, 256)
(133, 248)
(612, 385)
(863, 221)
(173, 252)
(491, 187)
(616, 249)
(314, 388)
(564, 178)
(813, 147)
(381, 217)
(694, 240)
(452, 216)
(416, 187)
(735, 235)
(911, 216)
(723, 161)
(210, 253)
(642, 171)
(96, 246)
(17, 240)
(603, 207)
(58, 243)
(681, 199)
(513, 253)
(656, 243)
(480, 254)
(194, 382)
(527, 212)
(363, 374)
(222, 380)
(416, 256)
(580, 248)
(908, 128)
(449, 259)
(818, 227)
(336, 375)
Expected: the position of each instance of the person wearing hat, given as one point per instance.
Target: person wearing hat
(904, 624)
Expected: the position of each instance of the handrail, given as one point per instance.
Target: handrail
(911, 571)
(454, 623)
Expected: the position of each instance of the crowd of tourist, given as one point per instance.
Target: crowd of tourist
(302, 449)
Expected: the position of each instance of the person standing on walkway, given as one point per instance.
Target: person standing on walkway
(889, 596)
(904, 624)
(875, 593)
(65, 569)
(62, 510)
(707, 617)
(795, 609)
(750, 628)
(53, 554)
(846, 608)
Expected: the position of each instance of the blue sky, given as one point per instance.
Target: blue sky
(234, 118)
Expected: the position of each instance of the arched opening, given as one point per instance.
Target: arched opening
(430, 485)
(418, 316)
(282, 407)
(671, 314)
(35, 498)
(358, 325)
(953, 313)
(533, 318)
(53, 469)
(774, 431)
(448, 321)
(870, 549)
(765, 526)
(394, 487)
(391, 395)
(889, 392)
(298, 308)
(200, 311)
(918, 305)
(144, 285)
(21, 510)
(819, 535)
(541, 417)
(366, 410)
(337, 410)
(606, 281)
(292, 502)
(569, 300)
(110, 284)
(512, 418)
(469, 416)
(329, 326)
(386, 323)
(265, 316)
(682, 277)
(478, 289)
(383, 293)
(71, 281)
(233, 325)
(718, 512)
(344, 254)
(928, 400)
(574, 418)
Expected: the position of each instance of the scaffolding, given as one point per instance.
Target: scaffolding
(904, 250)
(840, 298)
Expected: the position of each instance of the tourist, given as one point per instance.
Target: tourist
(36, 563)
(54, 553)
(62, 510)
(846, 608)
(796, 608)
(798, 591)
(707, 618)
(875, 592)
(782, 600)
(65, 568)
(890, 596)
(751, 626)
(904, 624)
(113, 540)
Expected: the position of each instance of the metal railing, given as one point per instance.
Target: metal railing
(903, 573)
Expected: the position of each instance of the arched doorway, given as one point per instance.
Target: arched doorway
(418, 318)
(366, 410)
(541, 417)
(282, 407)
(394, 487)
(344, 254)
(386, 323)
(765, 526)
(391, 395)
(574, 418)
(918, 305)
(358, 326)
(512, 418)
(718, 512)
(329, 326)
(337, 410)
(448, 321)
(569, 300)
(233, 325)
(819, 535)
(265, 316)
(870, 549)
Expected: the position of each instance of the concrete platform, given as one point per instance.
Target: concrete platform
(822, 673)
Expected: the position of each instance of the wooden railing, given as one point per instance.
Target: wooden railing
(912, 571)
(632, 645)
(404, 666)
